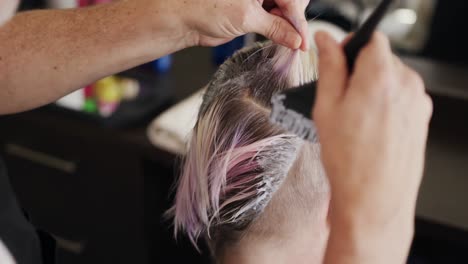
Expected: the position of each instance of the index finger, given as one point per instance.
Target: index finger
(377, 56)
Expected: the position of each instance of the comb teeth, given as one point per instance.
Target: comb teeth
(291, 120)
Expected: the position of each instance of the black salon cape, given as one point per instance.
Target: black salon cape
(26, 244)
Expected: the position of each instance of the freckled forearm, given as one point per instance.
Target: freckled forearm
(47, 54)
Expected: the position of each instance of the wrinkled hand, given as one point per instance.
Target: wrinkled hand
(373, 127)
(218, 21)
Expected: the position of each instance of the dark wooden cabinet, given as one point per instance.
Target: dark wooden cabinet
(101, 192)
(87, 191)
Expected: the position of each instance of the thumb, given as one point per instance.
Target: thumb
(332, 68)
(276, 28)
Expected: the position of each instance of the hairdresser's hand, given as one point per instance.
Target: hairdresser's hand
(294, 12)
(373, 127)
(213, 22)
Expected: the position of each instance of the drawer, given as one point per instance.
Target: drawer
(80, 183)
(51, 189)
(89, 204)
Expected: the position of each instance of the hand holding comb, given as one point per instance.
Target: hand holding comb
(291, 109)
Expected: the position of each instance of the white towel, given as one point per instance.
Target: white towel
(5, 256)
(316, 25)
(171, 130)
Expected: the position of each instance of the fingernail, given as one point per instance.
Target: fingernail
(293, 40)
(305, 34)
(305, 44)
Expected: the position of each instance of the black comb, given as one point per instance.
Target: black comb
(301, 99)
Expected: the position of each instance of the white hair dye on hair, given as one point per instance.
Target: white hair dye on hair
(276, 162)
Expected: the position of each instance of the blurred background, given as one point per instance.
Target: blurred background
(97, 167)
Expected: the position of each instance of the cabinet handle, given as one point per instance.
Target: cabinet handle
(41, 158)
(75, 247)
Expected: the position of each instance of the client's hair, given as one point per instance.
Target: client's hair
(243, 177)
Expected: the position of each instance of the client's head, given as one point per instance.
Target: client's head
(252, 190)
